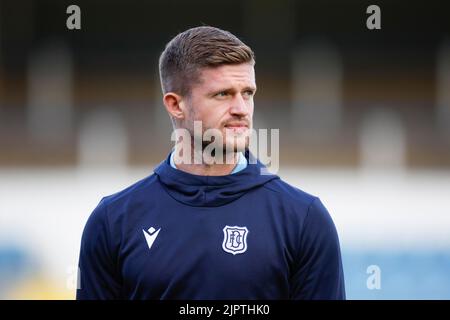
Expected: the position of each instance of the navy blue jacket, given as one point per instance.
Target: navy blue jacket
(174, 235)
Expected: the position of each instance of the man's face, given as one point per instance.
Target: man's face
(223, 100)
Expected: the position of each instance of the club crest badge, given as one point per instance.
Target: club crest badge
(235, 239)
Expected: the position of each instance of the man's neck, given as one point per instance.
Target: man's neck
(205, 169)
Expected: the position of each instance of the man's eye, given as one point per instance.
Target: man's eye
(249, 93)
(222, 94)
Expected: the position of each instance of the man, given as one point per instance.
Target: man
(200, 227)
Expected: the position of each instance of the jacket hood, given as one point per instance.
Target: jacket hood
(212, 191)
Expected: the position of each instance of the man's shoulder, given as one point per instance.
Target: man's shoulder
(112, 209)
(138, 191)
(300, 204)
(290, 194)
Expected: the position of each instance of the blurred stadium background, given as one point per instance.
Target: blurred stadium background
(364, 119)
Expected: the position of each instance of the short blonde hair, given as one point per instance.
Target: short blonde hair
(196, 48)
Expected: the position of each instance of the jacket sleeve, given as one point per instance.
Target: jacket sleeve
(97, 272)
(318, 274)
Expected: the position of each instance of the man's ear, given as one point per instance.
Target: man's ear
(174, 105)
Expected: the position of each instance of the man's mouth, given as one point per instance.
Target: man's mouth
(237, 127)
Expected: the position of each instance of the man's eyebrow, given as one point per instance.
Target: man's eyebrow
(252, 88)
(218, 90)
(231, 89)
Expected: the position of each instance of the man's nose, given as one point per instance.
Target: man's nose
(239, 106)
